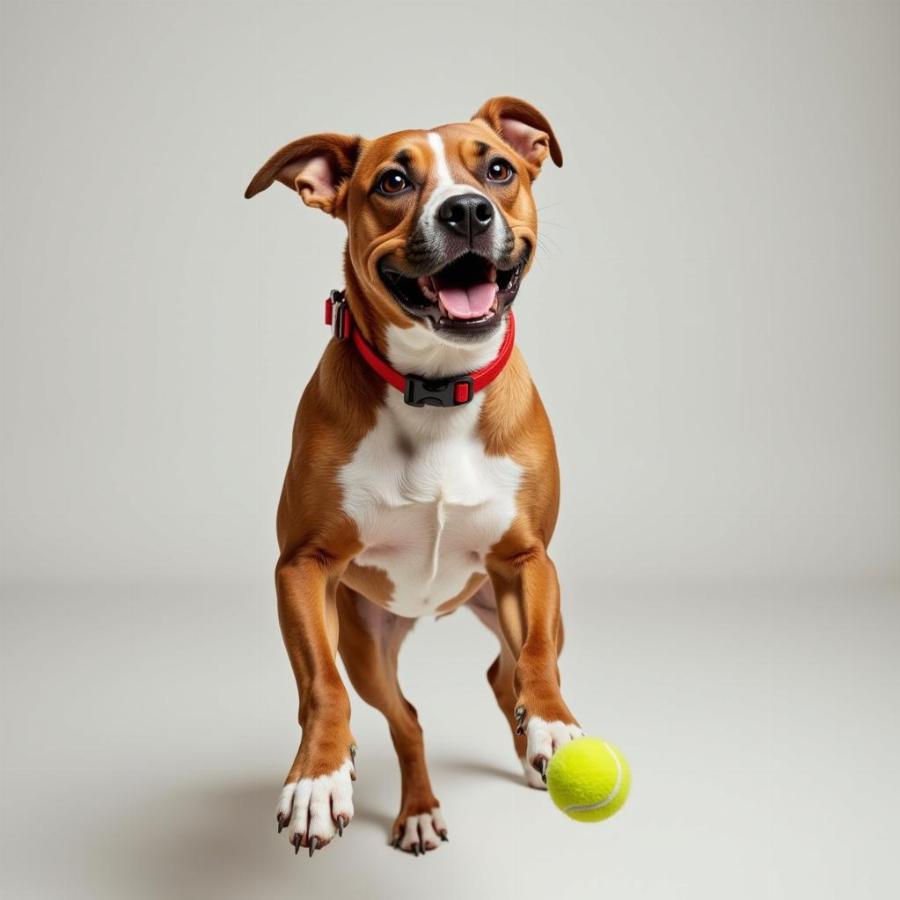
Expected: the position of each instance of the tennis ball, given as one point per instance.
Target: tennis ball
(588, 779)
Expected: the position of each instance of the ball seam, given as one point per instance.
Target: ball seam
(590, 807)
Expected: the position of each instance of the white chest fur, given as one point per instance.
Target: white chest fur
(427, 500)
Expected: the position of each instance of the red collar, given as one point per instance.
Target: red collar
(457, 390)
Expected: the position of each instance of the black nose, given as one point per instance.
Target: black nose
(466, 214)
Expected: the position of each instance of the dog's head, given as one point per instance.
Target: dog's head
(441, 224)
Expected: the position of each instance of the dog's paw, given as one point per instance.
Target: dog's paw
(417, 834)
(543, 739)
(532, 776)
(314, 810)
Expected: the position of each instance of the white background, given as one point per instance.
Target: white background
(713, 323)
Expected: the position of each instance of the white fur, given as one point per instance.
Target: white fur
(445, 188)
(311, 805)
(426, 498)
(545, 738)
(532, 776)
(423, 831)
(423, 352)
(436, 142)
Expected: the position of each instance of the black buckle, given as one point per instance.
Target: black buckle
(456, 391)
(339, 315)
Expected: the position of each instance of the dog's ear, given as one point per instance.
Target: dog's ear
(317, 167)
(523, 127)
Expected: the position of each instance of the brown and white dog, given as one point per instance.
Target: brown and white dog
(401, 504)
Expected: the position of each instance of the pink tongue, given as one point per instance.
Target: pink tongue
(468, 303)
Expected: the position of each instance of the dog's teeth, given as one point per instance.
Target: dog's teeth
(426, 286)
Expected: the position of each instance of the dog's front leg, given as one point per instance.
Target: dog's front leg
(317, 800)
(527, 597)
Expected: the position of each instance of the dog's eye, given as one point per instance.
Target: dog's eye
(393, 182)
(500, 171)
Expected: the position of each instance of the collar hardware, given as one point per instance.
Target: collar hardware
(457, 391)
(337, 315)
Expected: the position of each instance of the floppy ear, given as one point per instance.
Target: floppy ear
(523, 127)
(317, 167)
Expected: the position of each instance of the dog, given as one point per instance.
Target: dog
(423, 474)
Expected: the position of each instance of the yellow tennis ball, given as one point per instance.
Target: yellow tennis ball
(588, 779)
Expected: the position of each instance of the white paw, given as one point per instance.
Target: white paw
(544, 739)
(532, 776)
(422, 832)
(310, 808)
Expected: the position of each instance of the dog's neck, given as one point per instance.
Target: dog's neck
(417, 349)
(422, 352)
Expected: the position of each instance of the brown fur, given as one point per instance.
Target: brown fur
(322, 594)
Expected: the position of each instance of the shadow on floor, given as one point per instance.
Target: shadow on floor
(216, 840)
(481, 769)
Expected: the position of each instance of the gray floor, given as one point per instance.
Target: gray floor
(146, 732)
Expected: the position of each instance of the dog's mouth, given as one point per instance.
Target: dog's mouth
(468, 295)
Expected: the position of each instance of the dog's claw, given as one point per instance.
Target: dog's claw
(280, 824)
(340, 825)
(540, 766)
(520, 719)
(395, 843)
(443, 834)
(296, 843)
(313, 846)
(415, 849)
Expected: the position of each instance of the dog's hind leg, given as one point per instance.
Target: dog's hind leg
(370, 640)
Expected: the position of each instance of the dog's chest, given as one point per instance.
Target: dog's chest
(428, 502)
